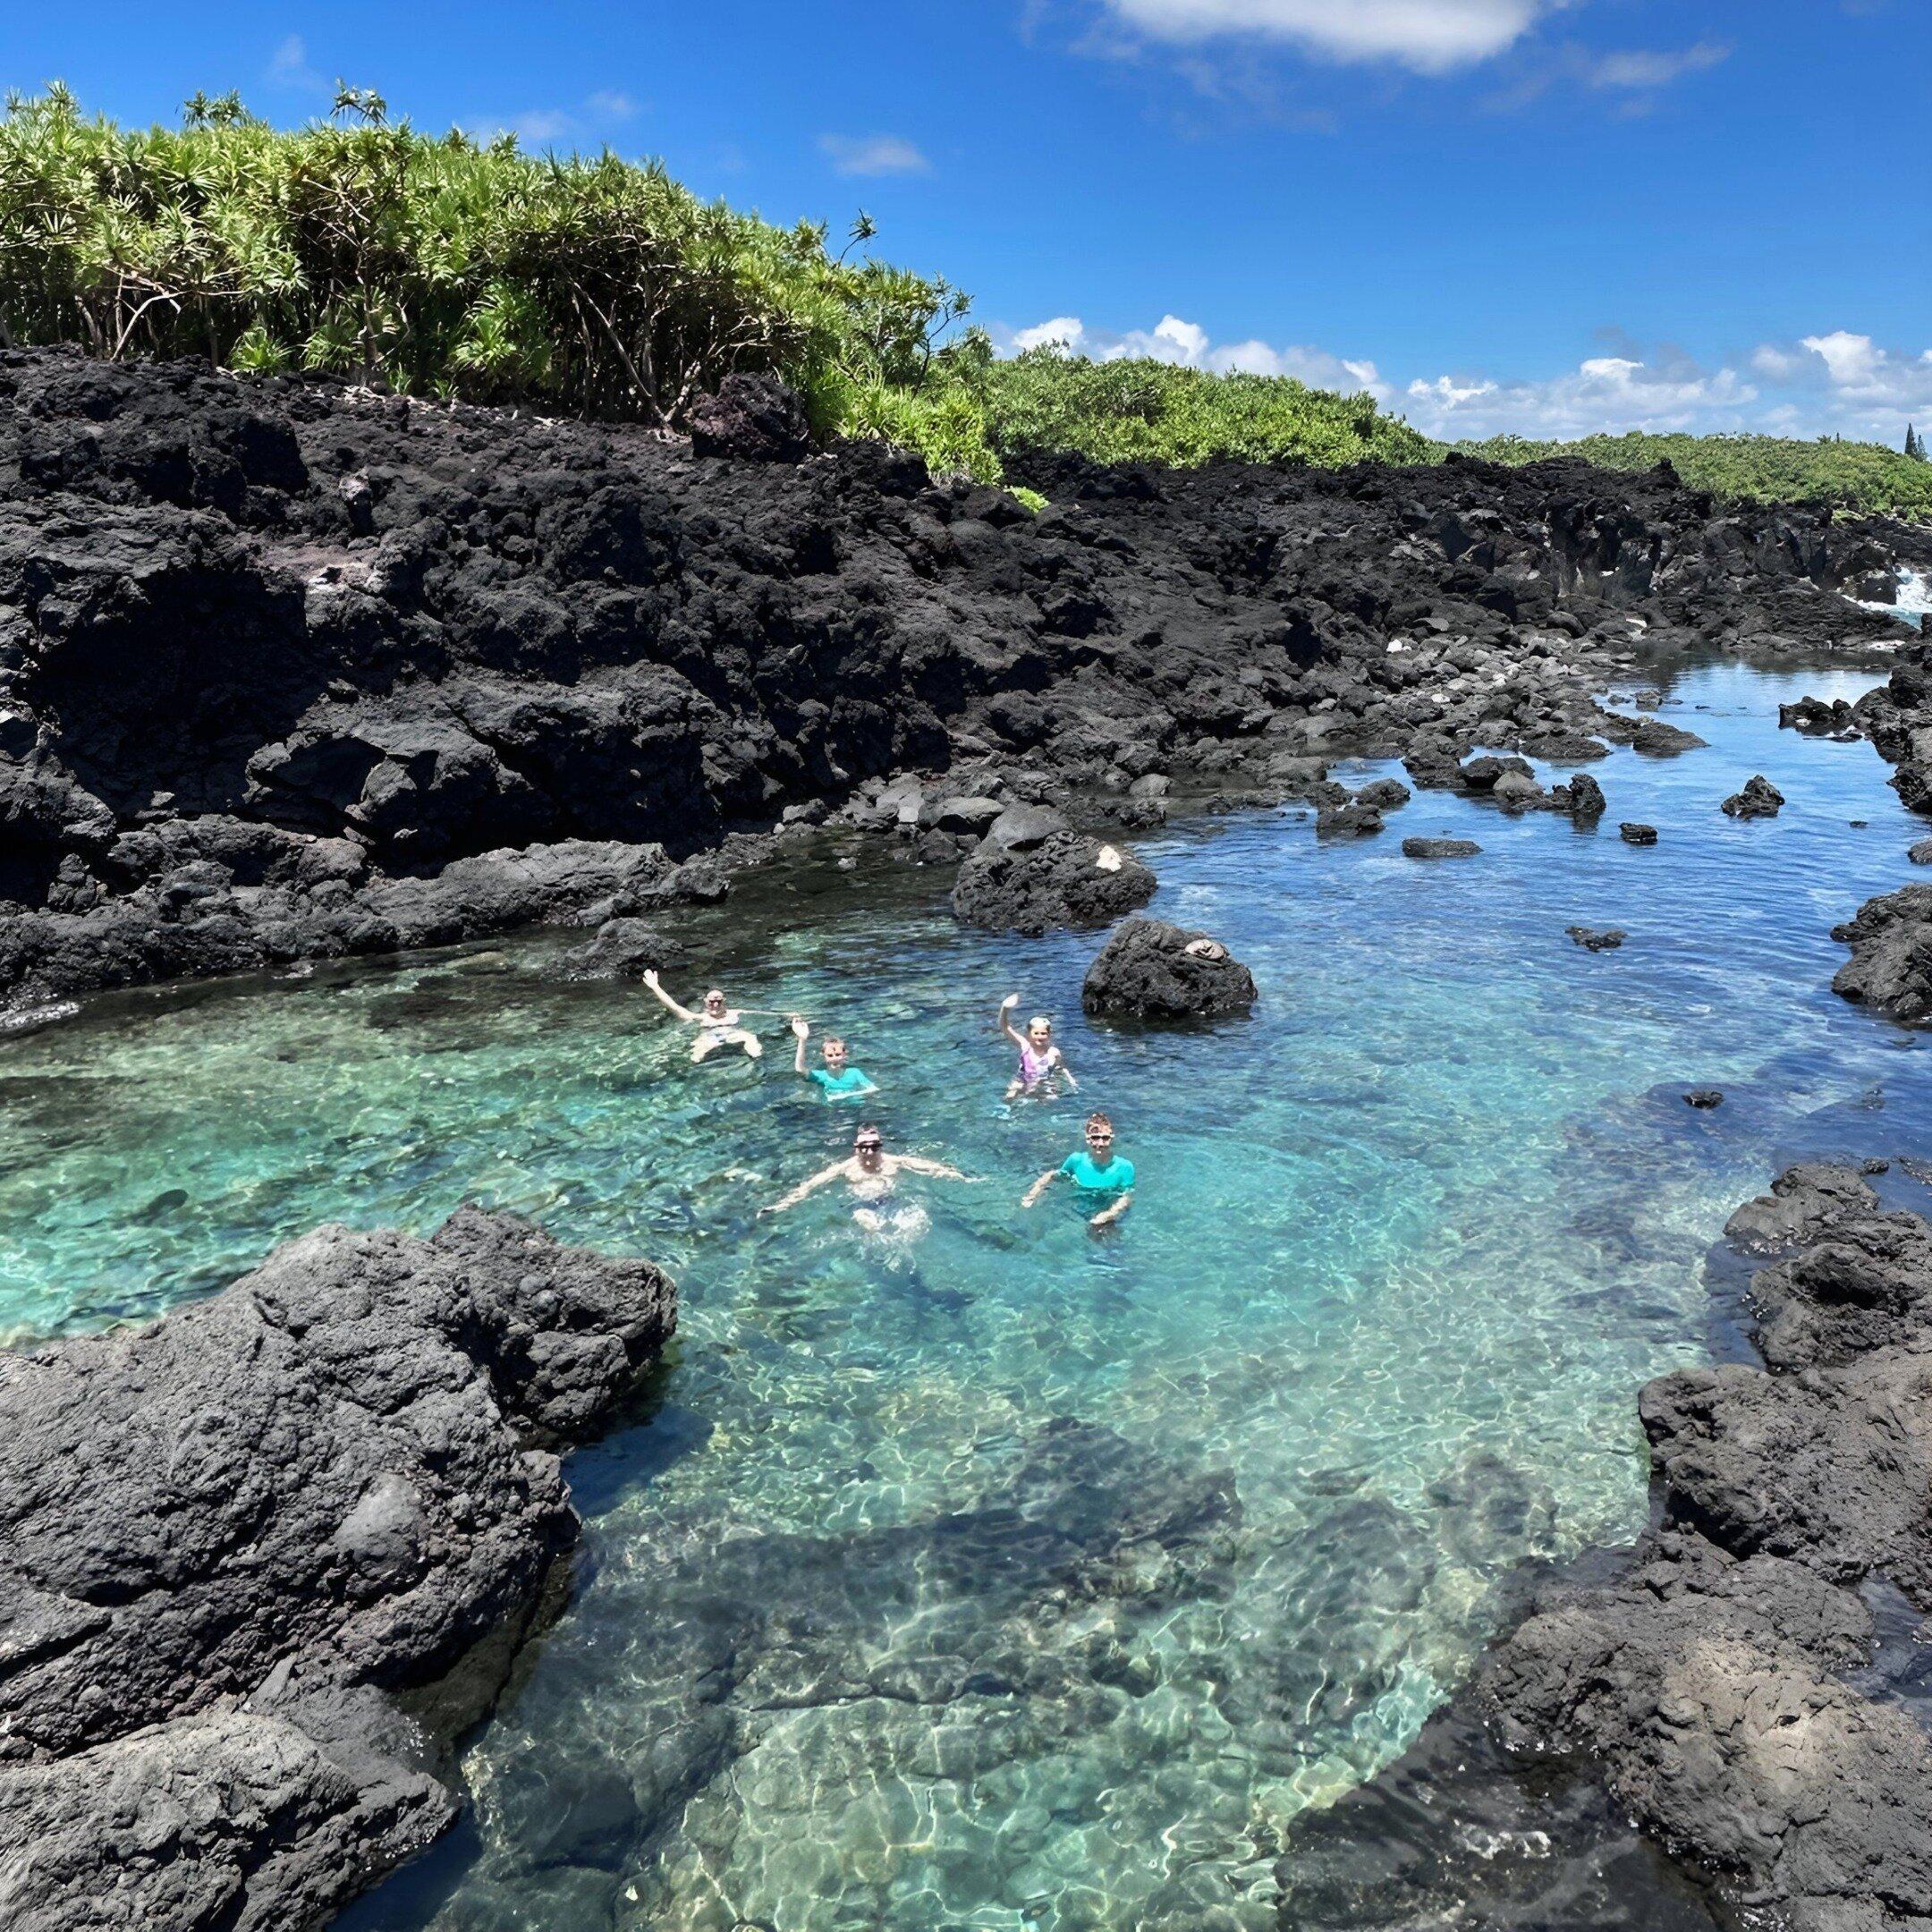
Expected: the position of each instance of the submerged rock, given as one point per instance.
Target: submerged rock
(228, 1540)
(1150, 971)
(1065, 879)
(623, 949)
(1598, 938)
(1759, 799)
(1704, 1098)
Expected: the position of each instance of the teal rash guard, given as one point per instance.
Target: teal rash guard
(846, 1086)
(1087, 1174)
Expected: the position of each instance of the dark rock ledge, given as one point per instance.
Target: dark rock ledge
(1717, 1686)
(290, 672)
(260, 1560)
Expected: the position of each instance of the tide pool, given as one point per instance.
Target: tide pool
(1002, 1575)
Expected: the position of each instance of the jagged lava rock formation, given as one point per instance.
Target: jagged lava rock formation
(1718, 1686)
(261, 1559)
(277, 659)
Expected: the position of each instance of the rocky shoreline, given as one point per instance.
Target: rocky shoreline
(262, 1561)
(290, 672)
(1719, 1686)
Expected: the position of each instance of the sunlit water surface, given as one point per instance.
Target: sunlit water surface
(1005, 1576)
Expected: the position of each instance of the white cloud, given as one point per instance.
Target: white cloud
(549, 127)
(1602, 394)
(1640, 68)
(1066, 330)
(1430, 36)
(873, 153)
(288, 67)
(542, 125)
(1863, 374)
(1833, 383)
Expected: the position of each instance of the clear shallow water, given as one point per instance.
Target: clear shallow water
(1008, 1577)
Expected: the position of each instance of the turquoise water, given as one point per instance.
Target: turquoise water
(1002, 1575)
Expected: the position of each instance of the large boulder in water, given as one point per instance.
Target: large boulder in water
(1891, 965)
(230, 1539)
(1067, 879)
(1151, 971)
(1759, 799)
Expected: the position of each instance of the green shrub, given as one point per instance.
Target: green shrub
(441, 266)
(1866, 477)
(1137, 411)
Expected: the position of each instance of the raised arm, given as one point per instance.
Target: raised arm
(804, 1187)
(1002, 1024)
(1039, 1187)
(1113, 1211)
(652, 981)
(800, 1031)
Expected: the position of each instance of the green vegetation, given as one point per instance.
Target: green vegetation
(444, 266)
(1863, 476)
(1135, 411)
(440, 265)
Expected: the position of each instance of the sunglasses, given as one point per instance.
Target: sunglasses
(870, 1146)
(1101, 1139)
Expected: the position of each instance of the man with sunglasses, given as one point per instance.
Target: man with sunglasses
(1097, 1171)
(870, 1173)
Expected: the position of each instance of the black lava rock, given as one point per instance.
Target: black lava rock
(623, 949)
(1759, 799)
(1150, 971)
(1637, 834)
(1704, 1097)
(1067, 879)
(755, 418)
(228, 1541)
(1890, 968)
(1674, 1682)
(1439, 848)
(1598, 938)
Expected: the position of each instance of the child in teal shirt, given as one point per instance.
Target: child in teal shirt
(1096, 1170)
(838, 1078)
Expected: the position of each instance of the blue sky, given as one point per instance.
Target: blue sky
(1551, 216)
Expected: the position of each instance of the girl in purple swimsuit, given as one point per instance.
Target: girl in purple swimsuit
(1042, 1064)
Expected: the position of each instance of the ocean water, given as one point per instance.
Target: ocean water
(995, 1573)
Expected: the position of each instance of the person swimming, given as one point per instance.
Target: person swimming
(1042, 1064)
(1097, 1170)
(872, 1173)
(718, 1024)
(838, 1078)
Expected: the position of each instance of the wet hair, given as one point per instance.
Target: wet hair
(868, 1132)
(1098, 1120)
(829, 1042)
(1039, 1020)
